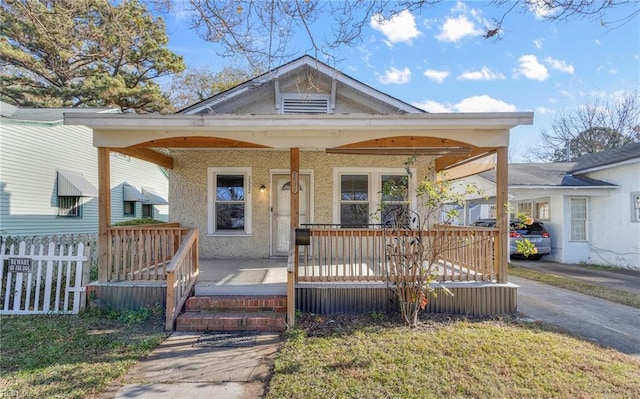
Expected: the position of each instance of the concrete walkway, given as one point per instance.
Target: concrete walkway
(179, 369)
(600, 321)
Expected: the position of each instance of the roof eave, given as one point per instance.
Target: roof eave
(501, 120)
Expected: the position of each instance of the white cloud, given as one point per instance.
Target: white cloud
(483, 103)
(538, 43)
(396, 76)
(455, 29)
(483, 74)
(598, 42)
(464, 24)
(531, 68)
(559, 65)
(400, 28)
(544, 110)
(432, 106)
(613, 71)
(436, 76)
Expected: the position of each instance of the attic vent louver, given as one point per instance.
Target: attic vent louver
(305, 104)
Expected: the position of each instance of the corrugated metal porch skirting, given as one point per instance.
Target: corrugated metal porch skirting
(127, 296)
(467, 299)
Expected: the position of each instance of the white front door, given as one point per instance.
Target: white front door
(281, 217)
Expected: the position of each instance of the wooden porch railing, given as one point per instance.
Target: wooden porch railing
(142, 252)
(358, 254)
(182, 273)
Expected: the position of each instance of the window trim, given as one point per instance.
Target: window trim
(212, 173)
(375, 186)
(585, 220)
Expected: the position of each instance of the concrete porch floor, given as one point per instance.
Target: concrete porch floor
(266, 276)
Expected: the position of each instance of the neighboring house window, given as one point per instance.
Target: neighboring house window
(525, 207)
(69, 207)
(147, 211)
(635, 207)
(541, 210)
(129, 208)
(359, 197)
(493, 211)
(578, 219)
(229, 201)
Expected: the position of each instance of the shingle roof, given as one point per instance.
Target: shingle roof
(545, 174)
(567, 174)
(608, 157)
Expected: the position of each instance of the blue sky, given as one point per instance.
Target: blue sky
(438, 60)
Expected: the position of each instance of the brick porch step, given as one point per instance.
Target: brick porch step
(231, 321)
(243, 303)
(234, 313)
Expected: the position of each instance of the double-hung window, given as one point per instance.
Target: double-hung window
(394, 199)
(354, 200)
(578, 219)
(363, 196)
(229, 201)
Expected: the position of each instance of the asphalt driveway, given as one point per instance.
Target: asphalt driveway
(600, 321)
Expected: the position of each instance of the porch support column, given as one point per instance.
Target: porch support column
(104, 212)
(502, 218)
(294, 204)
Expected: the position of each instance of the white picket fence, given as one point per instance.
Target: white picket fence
(43, 279)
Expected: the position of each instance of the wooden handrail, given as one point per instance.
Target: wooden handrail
(182, 273)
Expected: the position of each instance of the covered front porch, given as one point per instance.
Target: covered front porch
(330, 269)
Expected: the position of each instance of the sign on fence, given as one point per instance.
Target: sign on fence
(43, 279)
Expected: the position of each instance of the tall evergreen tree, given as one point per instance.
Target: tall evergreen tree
(73, 53)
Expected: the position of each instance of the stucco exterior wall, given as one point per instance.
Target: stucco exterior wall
(188, 191)
(615, 239)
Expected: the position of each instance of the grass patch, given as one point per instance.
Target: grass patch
(610, 294)
(453, 359)
(73, 356)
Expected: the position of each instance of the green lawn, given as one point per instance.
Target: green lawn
(452, 359)
(72, 356)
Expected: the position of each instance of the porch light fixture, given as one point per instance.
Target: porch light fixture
(262, 189)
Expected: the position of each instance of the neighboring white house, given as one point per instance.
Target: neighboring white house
(49, 175)
(591, 206)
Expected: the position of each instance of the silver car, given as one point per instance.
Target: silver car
(534, 232)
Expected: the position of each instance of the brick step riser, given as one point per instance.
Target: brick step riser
(233, 303)
(231, 322)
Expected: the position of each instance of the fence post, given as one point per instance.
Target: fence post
(86, 275)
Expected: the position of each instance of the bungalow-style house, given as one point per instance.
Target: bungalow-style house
(289, 165)
(49, 176)
(591, 206)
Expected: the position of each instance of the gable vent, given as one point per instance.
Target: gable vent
(305, 105)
